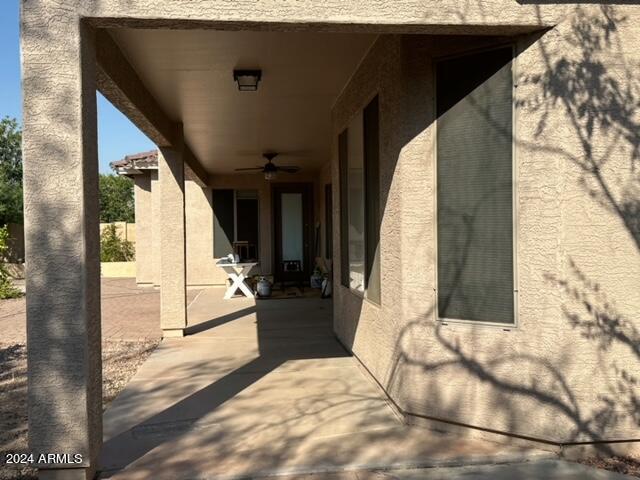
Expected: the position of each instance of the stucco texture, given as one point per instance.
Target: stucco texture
(61, 236)
(173, 270)
(568, 371)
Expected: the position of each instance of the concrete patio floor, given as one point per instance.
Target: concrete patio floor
(263, 388)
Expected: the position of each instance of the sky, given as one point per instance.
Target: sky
(117, 136)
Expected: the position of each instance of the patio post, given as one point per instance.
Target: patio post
(62, 243)
(173, 303)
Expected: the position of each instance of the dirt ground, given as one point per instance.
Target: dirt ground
(130, 332)
(120, 359)
(627, 466)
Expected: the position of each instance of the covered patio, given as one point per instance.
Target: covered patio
(348, 98)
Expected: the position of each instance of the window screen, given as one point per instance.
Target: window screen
(356, 203)
(344, 205)
(248, 221)
(223, 223)
(328, 222)
(474, 187)
(372, 200)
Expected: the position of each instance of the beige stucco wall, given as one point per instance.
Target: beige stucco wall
(569, 370)
(201, 268)
(144, 245)
(60, 138)
(447, 17)
(155, 227)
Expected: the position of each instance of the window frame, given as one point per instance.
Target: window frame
(343, 198)
(370, 199)
(235, 218)
(344, 204)
(328, 220)
(514, 185)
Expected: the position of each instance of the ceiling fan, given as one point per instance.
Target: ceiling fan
(270, 169)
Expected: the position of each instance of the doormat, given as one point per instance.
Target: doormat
(292, 292)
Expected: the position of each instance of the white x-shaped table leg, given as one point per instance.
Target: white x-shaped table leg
(238, 282)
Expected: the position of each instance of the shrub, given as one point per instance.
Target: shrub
(116, 199)
(7, 290)
(113, 248)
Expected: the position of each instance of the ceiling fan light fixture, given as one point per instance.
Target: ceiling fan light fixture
(247, 80)
(270, 175)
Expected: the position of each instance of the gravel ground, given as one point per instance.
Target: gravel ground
(627, 465)
(121, 359)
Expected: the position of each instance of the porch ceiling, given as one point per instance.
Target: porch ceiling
(189, 73)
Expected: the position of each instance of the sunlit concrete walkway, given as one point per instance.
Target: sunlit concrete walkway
(260, 389)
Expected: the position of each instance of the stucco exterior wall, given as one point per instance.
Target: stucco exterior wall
(444, 17)
(201, 268)
(155, 226)
(61, 236)
(361, 325)
(144, 242)
(568, 371)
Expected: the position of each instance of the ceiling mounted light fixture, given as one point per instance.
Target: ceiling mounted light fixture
(247, 80)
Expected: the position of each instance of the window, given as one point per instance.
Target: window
(236, 219)
(358, 155)
(344, 206)
(355, 182)
(475, 187)
(328, 222)
(372, 200)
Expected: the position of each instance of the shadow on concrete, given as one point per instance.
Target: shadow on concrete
(216, 322)
(282, 336)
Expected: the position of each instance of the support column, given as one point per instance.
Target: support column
(62, 242)
(144, 226)
(173, 294)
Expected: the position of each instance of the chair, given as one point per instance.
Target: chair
(245, 250)
(292, 271)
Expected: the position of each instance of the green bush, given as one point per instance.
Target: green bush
(113, 248)
(116, 199)
(7, 290)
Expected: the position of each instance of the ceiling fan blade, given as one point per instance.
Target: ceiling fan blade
(247, 169)
(288, 169)
(295, 153)
(259, 153)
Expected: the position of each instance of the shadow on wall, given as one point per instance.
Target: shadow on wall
(57, 293)
(602, 108)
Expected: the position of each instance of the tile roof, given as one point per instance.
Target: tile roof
(137, 161)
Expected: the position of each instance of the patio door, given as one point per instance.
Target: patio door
(292, 220)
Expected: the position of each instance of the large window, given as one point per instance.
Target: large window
(328, 222)
(475, 187)
(343, 161)
(356, 204)
(236, 220)
(372, 200)
(358, 149)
